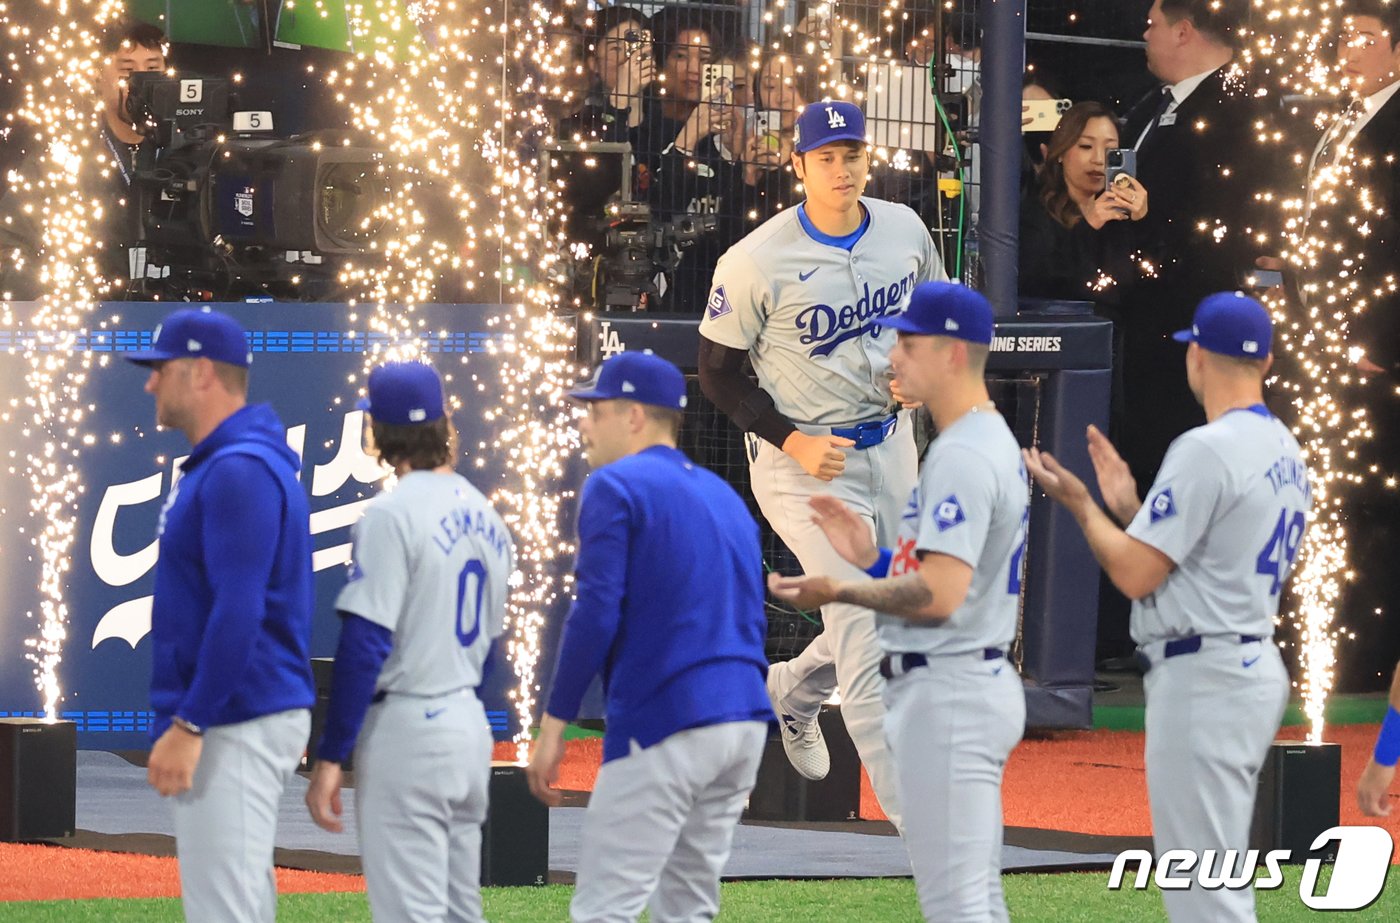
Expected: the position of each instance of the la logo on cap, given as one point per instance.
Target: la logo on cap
(834, 119)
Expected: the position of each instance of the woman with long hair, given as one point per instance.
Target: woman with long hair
(1073, 226)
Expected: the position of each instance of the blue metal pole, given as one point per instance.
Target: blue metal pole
(1003, 62)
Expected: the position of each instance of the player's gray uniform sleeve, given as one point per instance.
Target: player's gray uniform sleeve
(379, 570)
(959, 490)
(1183, 500)
(740, 299)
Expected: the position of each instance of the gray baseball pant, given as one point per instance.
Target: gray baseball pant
(226, 823)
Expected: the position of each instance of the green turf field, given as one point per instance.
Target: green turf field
(1340, 709)
(1076, 898)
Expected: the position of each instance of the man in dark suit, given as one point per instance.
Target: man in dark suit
(1347, 267)
(1351, 233)
(1196, 153)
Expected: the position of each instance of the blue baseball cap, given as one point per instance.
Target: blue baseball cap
(191, 333)
(636, 376)
(404, 393)
(946, 309)
(1231, 324)
(825, 122)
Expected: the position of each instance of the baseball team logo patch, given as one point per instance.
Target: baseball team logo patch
(1162, 506)
(948, 514)
(719, 304)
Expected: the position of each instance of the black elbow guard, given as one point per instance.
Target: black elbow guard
(756, 405)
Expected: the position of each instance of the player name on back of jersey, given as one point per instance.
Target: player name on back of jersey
(1290, 471)
(465, 521)
(828, 327)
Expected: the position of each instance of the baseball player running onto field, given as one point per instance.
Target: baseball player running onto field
(230, 622)
(680, 646)
(1204, 561)
(805, 297)
(425, 597)
(946, 602)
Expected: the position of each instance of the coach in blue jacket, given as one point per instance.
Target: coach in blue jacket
(670, 612)
(231, 679)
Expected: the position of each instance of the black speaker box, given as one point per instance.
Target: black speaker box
(38, 778)
(515, 837)
(1300, 792)
(781, 794)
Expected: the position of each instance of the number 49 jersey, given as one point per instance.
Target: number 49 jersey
(971, 503)
(431, 563)
(1229, 508)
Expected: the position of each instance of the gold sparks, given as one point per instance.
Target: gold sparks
(61, 42)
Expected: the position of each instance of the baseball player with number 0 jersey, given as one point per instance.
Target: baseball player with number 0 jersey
(804, 297)
(1204, 560)
(425, 598)
(946, 600)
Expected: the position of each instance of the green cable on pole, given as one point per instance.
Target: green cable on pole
(962, 174)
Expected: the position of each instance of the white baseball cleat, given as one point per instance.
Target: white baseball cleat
(805, 747)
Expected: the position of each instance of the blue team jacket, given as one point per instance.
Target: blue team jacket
(231, 618)
(670, 603)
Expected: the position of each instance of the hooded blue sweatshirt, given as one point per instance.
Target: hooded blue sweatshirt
(231, 619)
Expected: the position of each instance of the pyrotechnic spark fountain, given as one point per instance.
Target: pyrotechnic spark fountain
(1294, 46)
(61, 105)
(455, 111)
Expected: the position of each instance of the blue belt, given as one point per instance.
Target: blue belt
(1192, 643)
(907, 662)
(869, 434)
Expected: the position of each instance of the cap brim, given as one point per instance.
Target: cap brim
(1184, 336)
(147, 356)
(905, 324)
(592, 394)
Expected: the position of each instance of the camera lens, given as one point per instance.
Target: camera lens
(350, 195)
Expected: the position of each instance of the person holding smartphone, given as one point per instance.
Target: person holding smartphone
(1070, 246)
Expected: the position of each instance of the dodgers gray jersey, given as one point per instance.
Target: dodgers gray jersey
(972, 502)
(431, 563)
(1229, 507)
(809, 312)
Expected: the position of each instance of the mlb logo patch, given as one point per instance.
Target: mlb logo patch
(719, 304)
(353, 573)
(948, 514)
(1162, 506)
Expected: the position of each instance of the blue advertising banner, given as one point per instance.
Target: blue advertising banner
(308, 362)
